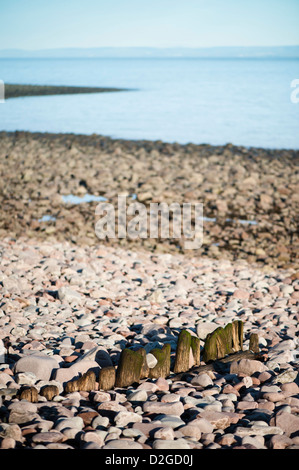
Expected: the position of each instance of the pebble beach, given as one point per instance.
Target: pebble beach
(70, 303)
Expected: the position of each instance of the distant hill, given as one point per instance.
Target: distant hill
(150, 52)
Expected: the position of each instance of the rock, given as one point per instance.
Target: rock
(204, 328)
(47, 437)
(280, 442)
(288, 423)
(162, 384)
(258, 430)
(151, 360)
(11, 431)
(203, 380)
(175, 408)
(220, 420)
(122, 444)
(125, 417)
(2, 352)
(64, 423)
(138, 395)
(68, 295)
(165, 433)
(39, 364)
(191, 431)
(285, 377)
(247, 367)
(170, 444)
(203, 424)
(170, 421)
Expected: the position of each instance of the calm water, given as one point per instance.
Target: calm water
(214, 101)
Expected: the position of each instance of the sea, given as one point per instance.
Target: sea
(247, 102)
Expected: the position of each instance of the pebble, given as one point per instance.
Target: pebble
(253, 404)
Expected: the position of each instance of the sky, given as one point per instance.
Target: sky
(47, 24)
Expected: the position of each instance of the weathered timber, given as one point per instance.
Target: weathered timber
(129, 368)
(107, 378)
(144, 369)
(162, 368)
(49, 391)
(182, 352)
(195, 346)
(29, 394)
(223, 341)
(254, 342)
(85, 383)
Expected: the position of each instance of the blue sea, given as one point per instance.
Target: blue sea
(212, 101)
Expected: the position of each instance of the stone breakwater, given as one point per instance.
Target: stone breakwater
(249, 196)
(68, 310)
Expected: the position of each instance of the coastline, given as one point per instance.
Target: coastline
(18, 90)
(249, 195)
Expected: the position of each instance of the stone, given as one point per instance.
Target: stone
(75, 422)
(122, 444)
(123, 418)
(138, 395)
(175, 408)
(203, 380)
(39, 364)
(165, 433)
(47, 437)
(247, 367)
(68, 295)
(278, 441)
(151, 360)
(288, 423)
(170, 444)
(203, 424)
(220, 420)
(191, 431)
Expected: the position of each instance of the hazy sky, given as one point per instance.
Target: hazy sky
(38, 24)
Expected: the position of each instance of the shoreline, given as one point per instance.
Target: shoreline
(249, 195)
(17, 90)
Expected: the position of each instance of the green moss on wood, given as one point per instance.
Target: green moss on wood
(129, 368)
(182, 352)
(162, 368)
(195, 346)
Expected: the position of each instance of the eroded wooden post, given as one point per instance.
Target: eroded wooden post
(254, 343)
(144, 369)
(162, 368)
(107, 378)
(129, 368)
(49, 391)
(182, 352)
(85, 383)
(195, 346)
(223, 341)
